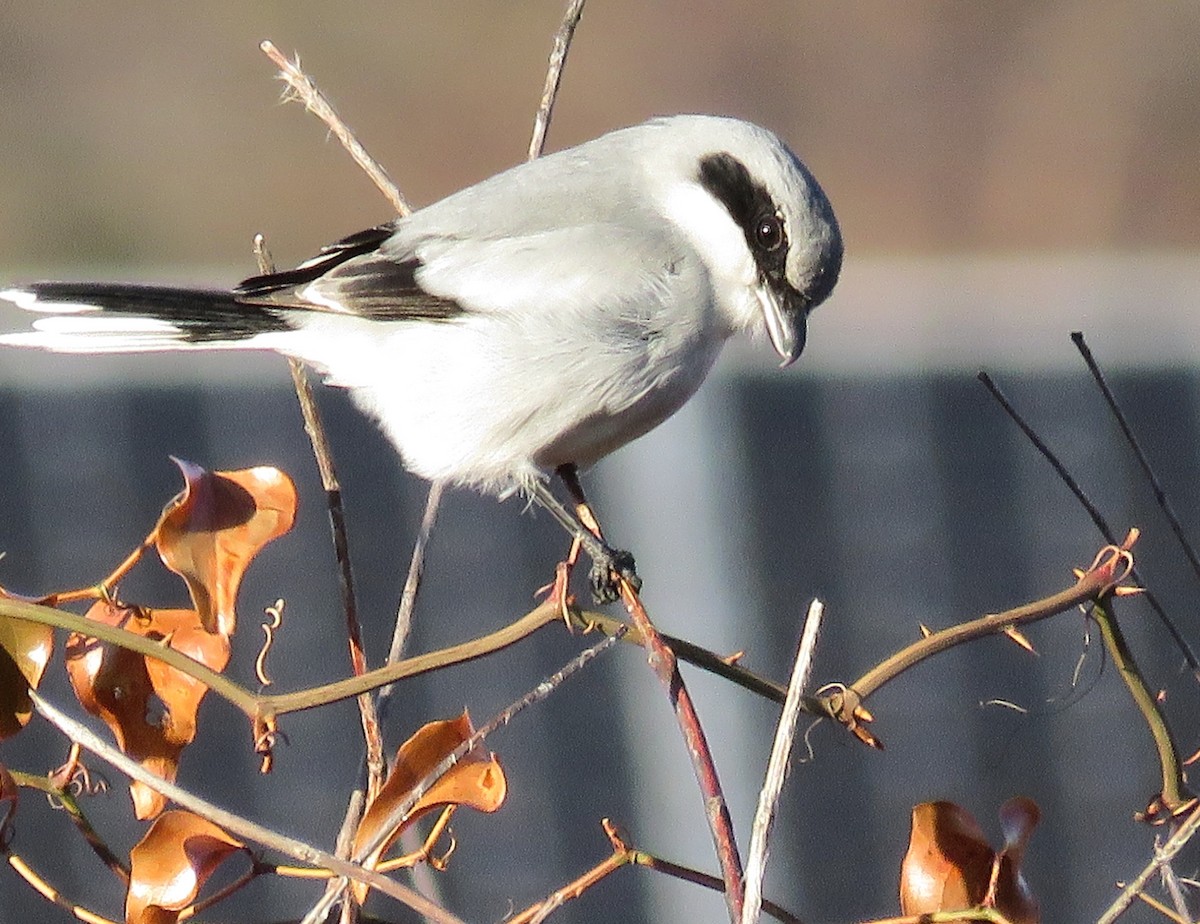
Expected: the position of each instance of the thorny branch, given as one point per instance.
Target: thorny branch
(844, 703)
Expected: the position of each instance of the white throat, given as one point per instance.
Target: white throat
(714, 234)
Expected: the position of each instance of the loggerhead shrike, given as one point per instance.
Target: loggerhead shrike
(532, 323)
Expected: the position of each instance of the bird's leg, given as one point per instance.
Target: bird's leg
(604, 587)
(609, 565)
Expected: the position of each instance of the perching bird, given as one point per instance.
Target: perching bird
(532, 323)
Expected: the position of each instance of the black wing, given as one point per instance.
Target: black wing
(351, 276)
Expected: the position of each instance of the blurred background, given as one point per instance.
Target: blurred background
(1004, 173)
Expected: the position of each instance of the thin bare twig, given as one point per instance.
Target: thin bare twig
(412, 586)
(1160, 494)
(1096, 516)
(315, 102)
(781, 750)
(1175, 890)
(558, 59)
(240, 827)
(373, 758)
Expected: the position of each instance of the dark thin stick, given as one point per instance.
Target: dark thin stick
(558, 58)
(1096, 516)
(341, 543)
(536, 695)
(1160, 495)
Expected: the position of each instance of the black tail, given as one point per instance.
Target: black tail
(195, 316)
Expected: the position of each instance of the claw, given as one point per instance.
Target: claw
(607, 573)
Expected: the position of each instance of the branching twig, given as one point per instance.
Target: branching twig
(625, 855)
(240, 827)
(844, 704)
(315, 102)
(341, 542)
(781, 750)
(61, 798)
(1163, 854)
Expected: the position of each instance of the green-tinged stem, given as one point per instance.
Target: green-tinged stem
(1174, 791)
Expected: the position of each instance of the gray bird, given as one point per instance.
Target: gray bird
(529, 324)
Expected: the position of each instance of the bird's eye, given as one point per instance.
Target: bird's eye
(768, 232)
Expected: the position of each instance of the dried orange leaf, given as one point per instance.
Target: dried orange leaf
(25, 649)
(950, 866)
(476, 781)
(170, 865)
(949, 862)
(1014, 899)
(210, 533)
(150, 707)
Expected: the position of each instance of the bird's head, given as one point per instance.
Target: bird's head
(762, 223)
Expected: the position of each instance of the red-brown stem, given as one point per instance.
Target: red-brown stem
(663, 663)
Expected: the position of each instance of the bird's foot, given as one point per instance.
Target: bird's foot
(609, 569)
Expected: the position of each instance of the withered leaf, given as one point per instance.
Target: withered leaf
(210, 533)
(949, 864)
(25, 650)
(1015, 900)
(476, 781)
(949, 861)
(150, 707)
(170, 865)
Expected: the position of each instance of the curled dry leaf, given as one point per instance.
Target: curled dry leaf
(150, 707)
(476, 781)
(950, 866)
(25, 649)
(1014, 899)
(170, 865)
(210, 533)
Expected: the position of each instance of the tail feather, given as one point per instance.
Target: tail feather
(90, 317)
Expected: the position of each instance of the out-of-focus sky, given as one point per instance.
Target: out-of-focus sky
(151, 133)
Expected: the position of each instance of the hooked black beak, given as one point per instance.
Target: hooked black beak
(786, 314)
